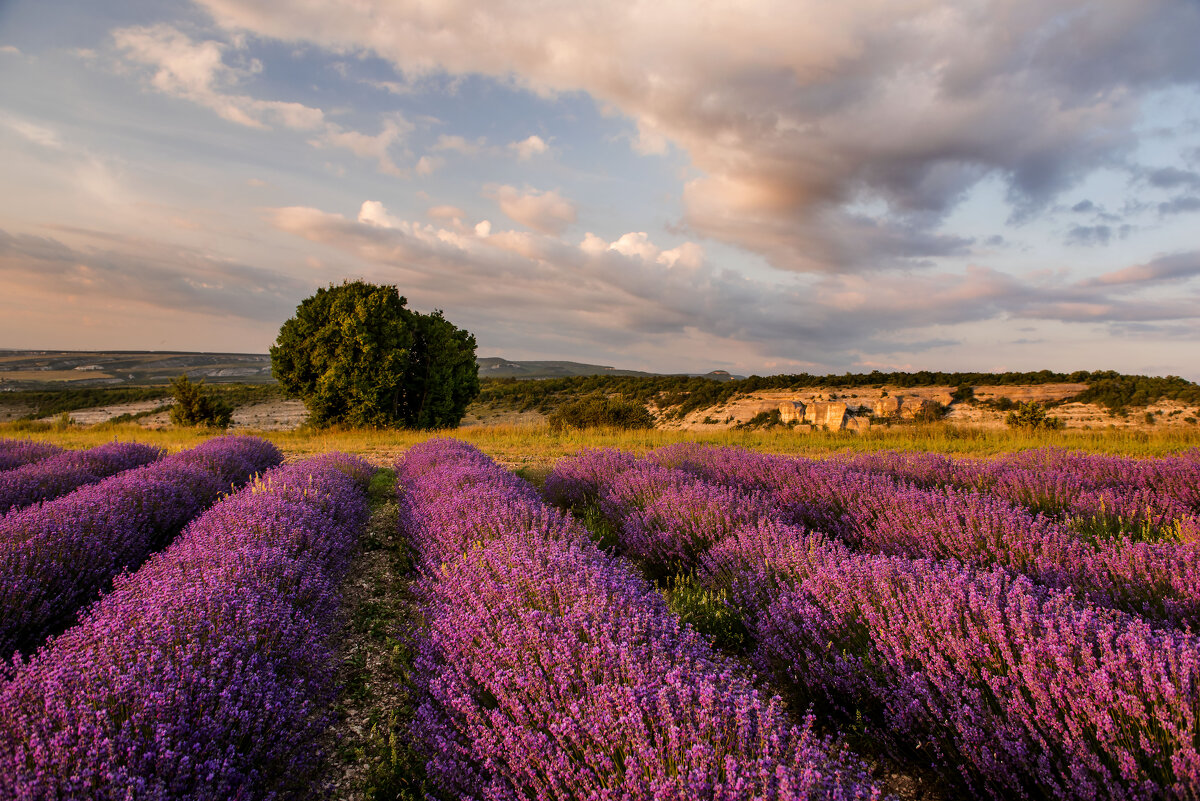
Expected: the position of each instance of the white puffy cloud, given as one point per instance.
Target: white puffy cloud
(428, 165)
(373, 212)
(637, 244)
(529, 147)
(546, 212)
(796, 110)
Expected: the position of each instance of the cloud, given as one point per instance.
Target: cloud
(629, 293)
(147, 272)
(376, 147)
(428, 165)
(1172, 267)
(1179, 205)
(32, 132)
(545, 212)
(459, 144)
(11, 50)
(529, 147)
(196, 71)
(1089, 235)
(446, 213)
(794, 111)
(1172, 178)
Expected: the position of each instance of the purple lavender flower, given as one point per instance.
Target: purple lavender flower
(19, 452)
(57, 556)
(208, 673)
(59, 474)
(1021, 689)
(552, 671)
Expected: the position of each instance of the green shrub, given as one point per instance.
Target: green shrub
(195, 407)
(768, 419)
(596, 410)
(964, 393)
(1031, 414)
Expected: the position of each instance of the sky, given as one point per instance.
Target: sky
(759, 187)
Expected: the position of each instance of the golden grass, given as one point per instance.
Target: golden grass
(533, 446)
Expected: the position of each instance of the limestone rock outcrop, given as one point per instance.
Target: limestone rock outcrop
(826, 415)
(917, 407)
(857, 424)
(790, 411)
(889, 406)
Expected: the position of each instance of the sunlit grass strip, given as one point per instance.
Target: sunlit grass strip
(58, 556)
(208, 673)
(19, 452)
(552, 671)
(538, 445)
(61, 473)
(1020, 690)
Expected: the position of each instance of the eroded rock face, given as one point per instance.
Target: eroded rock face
(831, 415)
(889, 406)
(791, 410)
(916, 407)
(857, 424)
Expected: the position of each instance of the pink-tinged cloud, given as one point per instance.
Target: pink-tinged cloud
(545, 212)
(620, 291)
(794, 111)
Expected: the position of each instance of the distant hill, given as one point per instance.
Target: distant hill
(496, 367)
(58, 369)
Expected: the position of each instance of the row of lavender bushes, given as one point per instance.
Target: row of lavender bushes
(59, 474)
(1096, 494)
(57, 556)
(20, 452)
(552, 671)
(208, 673)
(876, 513)
(1018, 690)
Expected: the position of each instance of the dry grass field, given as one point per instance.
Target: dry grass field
(536, 446)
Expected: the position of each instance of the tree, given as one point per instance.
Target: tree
(357, 356)
(195, 407)
(1032, 415)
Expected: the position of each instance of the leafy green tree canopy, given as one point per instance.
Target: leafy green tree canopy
(357, 356)
(1032, 414)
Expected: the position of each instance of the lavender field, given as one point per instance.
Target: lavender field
(691, 621)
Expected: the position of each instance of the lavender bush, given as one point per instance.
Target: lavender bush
(208, 673)
(1159, 580)
(1100, 496)
(552, 671)
(19, 452)
(1022, 691)
(56, 557)
(59, 474)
